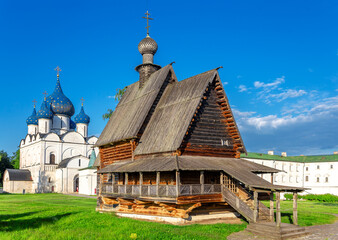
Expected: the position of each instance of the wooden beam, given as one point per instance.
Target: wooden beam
(202, 181)
(278, 213)
(157, 182)
(295, 214)
(272, 210)
(271, 178)
(255, 206)
(177, 183)
(126, 179)
(141, 182)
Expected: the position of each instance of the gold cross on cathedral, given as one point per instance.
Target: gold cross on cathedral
(148, 18)
(45, 93)
(58, 70)
(82, 101)
(34, 102)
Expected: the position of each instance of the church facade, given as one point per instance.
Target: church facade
(55, 147)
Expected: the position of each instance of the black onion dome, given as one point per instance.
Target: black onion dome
(60, 104)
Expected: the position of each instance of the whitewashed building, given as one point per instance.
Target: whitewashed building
(88, 176)
(56, 147)
(319, 173)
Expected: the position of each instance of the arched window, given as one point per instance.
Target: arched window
(52, 158)
(45, 126)
(84, 130)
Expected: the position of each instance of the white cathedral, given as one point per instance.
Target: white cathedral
(55, 150)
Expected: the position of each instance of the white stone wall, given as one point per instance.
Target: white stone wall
(82, 129)
(61, 124)
(88, 181)
(32, 129)
(45, 125)
(16, 186)
(321, 177)
(35, 155)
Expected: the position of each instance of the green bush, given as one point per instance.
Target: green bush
(314, 197)
(321, 197)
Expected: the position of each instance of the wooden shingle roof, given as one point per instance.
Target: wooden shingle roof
(172, 116)
(242, 170)
(131, 112)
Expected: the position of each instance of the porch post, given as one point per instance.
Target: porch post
(295, 214)
(141, 182)
(126, 179)
(178, 183)
(255, 205)
(202, 181)
(271, 178)
(157, 182)
(278, 214)
(272, 210)
(100, 187)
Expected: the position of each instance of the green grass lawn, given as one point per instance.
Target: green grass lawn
(309, 212)
(56, 216)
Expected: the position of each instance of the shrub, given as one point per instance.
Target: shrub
(314, 197)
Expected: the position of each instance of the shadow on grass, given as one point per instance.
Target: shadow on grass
(17, 225)
(14, 216)
(327, 204)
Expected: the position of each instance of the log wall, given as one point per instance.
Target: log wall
(116, 153)
(212, 131)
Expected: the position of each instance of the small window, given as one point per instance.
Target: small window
(61, 122)
(306, 178)
(326, 179)
(45, 126)
(51, 158)
(49, 180)
(307, 168)
(331, 166)
(317, 166)
(317, 179)
(79, 162)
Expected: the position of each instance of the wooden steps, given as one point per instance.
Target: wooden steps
(270, 230)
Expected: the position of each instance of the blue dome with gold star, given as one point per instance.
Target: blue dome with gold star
(32, 119)
(59, 103)
(82, 117)
(45, 111)
(72, 124)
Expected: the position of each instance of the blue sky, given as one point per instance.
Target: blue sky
(279, 58)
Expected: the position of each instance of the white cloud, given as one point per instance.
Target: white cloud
(306, 129)
(271, 85)
(225, 83)
(288, 93)
(274, 92)
(111, 97)
(242, 88)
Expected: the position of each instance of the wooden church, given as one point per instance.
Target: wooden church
(171, 152)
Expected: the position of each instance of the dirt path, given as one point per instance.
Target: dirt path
(79, 195)
(319, 232)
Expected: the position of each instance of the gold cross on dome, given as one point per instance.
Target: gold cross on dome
(34, 102)
(82, 101)
(58, 70)
(148, 18)
(45, 93)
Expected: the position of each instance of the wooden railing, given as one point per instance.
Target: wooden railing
(160, 190)
(235, 202)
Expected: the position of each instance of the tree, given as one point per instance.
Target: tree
(117, 97)
(16, 159)
(5, 162)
